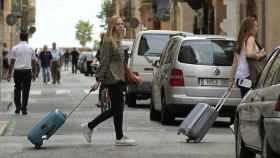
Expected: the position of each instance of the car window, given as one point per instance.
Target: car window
(171, 51)
(207, 52)
(168, 50)
(273, 75)
(164, 52)
(152, 44)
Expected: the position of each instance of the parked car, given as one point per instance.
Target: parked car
(191, 70)
(87, 63)
(146, 48)
(126, 45)
(257, 122)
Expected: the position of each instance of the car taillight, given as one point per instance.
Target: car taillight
(176, 78)
(277, 105)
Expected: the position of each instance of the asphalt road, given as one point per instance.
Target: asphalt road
(153, 139)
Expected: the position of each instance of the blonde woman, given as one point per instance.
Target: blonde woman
(246, 49)
(111, 74)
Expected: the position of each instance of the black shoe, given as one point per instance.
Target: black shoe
(17, 112)
(24, 112)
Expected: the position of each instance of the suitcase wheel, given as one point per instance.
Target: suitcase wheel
(38, 146)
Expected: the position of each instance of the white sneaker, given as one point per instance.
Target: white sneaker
(232, 127)
(87, 132)
(125, 141)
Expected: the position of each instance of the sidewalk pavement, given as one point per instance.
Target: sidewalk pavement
(6, 100)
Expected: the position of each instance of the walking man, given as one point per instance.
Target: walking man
(75, 57)
(22, 61)
(66, 59)
(56, 64)
(45, 58)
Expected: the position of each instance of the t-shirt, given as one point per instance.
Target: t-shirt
(45, 58)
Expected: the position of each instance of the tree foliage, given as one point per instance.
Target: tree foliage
(103, 14)
(84, 32)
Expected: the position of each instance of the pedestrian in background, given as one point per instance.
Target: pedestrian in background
(45, 58)
(75, 56)
(5, 60)
(66, 57)
(56, 64)
(111, 74)
(22, 61)
(247, 49)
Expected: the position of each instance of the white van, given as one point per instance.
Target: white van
(147, 48)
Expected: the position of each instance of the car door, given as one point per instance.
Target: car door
(257, 100)
(167, 66)
(157, 76)
(156, 79)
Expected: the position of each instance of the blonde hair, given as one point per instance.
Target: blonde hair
(111, 32)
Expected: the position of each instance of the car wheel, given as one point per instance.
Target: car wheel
(241, 150)
(154, 115)
(131, 100)
(267, 152)
(166, 116)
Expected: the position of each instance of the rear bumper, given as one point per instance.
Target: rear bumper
(184, 103)
(141, 91)
(182, 110)
(272, 128)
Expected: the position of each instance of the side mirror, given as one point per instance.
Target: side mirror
(156, 63)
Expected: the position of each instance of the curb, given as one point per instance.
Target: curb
(3, 127)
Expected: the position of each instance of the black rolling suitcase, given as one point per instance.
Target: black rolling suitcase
(201, 119)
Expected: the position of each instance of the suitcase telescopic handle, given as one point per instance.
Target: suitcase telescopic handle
(223, 99)
(77, 106)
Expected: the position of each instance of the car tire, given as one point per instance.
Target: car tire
(267, 152)
(131, 100)
(154, 115)
(166, 116)
(241, 150)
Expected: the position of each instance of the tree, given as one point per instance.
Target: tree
(104, 13)
(84, 32)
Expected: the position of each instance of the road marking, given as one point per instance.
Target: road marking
(96, 92)
(35, 92)
(62, 91)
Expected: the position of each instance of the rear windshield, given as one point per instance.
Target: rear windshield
(152, 44)
(207, 52)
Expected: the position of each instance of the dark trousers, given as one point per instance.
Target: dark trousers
(55, 71)
(22, 79)
(116, 111)
(74, 66)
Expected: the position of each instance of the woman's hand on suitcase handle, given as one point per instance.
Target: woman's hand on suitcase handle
(94, 86)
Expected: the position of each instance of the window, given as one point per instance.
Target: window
(1, 4)
(207, 52)
(152, 44)
(273, 75)
(170, 51)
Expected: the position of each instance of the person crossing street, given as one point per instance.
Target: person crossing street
(23, 59)
(56, 64)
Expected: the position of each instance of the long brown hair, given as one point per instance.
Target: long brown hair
(247, 25)
(111, 31)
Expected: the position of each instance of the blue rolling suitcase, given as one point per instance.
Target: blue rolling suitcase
(48, 125)
(200, 119)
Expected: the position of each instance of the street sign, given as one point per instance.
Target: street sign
(11, 19)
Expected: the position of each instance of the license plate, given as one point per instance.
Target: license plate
(213, 82)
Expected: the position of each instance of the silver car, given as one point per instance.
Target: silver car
(257, 122)
(191, 70)
(147, 47)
